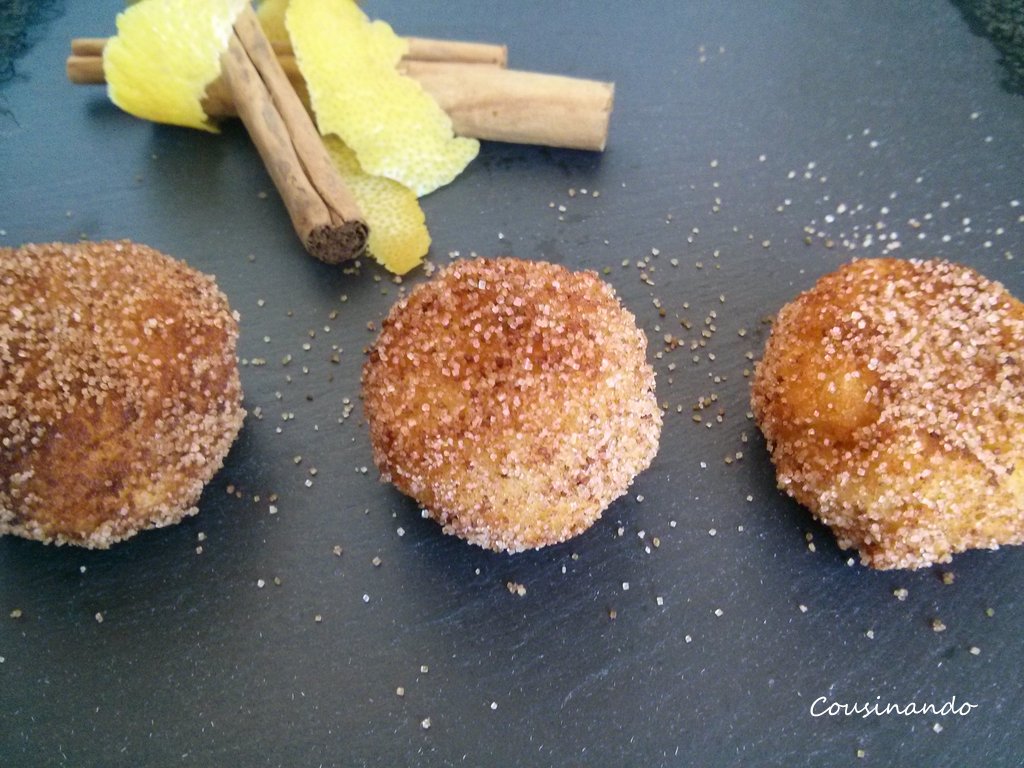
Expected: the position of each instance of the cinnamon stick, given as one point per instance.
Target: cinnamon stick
(455, 51)
(323, 212)
(519, 107)
(419, 49)
(483, 102)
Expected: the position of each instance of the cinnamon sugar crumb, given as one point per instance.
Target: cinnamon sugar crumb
(516, 588)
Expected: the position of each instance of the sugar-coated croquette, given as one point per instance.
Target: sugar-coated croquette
(891, 395)
(119, 390)
(512, 399)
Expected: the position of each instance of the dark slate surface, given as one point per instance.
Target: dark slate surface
(893, 109)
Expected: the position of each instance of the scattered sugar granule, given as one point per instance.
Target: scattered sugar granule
(516, 588)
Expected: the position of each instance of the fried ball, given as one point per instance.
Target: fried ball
(892, 398)
(512, 400)
(119, 391)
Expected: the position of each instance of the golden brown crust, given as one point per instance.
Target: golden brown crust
(511, 399)
(119, 390)
(892, 398)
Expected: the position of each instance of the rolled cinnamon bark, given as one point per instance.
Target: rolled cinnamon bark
(323, 212)
(420, 49)
(484, 102)
(519, 107)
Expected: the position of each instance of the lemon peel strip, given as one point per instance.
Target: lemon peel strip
(398, 232)
(165, 54)
(271, 16)
(395, 128)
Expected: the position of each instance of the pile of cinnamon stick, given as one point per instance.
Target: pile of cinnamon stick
(262, 85)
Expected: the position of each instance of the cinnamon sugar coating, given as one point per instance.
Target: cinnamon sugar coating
(513, 400)
(892, 398)
(119, 390)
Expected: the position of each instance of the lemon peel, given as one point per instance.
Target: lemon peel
(271, 16)
(398, 232)
(394, 127)
(165, 54)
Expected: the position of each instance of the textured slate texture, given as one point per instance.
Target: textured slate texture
(893, 109)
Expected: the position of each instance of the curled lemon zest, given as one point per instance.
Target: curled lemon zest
(398, 232)
(271, 16)
(395, 128)
(165, 54)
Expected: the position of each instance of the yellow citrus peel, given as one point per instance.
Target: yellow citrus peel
(165, 54)
(168, 51)
(395, 128)
(398, 232)
(271, 16)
